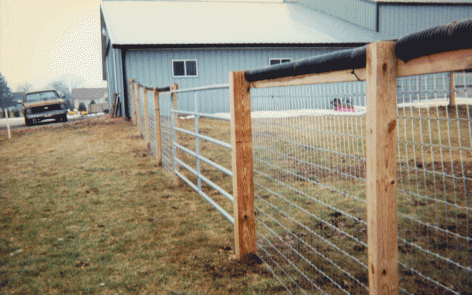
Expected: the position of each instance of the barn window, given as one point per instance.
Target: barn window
(276, 61)
(184, 68)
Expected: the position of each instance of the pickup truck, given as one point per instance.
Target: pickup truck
(41, 105)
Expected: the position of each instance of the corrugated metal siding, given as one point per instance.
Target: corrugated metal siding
(110, 77)
(119, 79)
(399, 20)
(361, 13)
(153, 68)
(115, 77)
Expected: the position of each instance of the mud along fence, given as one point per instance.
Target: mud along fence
(349, 173)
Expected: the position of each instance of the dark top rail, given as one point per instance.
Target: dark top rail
(450, 37)
(162, 89)
(348, 59)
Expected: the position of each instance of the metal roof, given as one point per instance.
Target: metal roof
(186, 23)
(424, 1)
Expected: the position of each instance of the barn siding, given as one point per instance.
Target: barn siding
(153, 68)
(110, 77)
(399, 20)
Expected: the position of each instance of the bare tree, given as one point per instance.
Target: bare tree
(5, 94)
(25, 87)
(72, 81)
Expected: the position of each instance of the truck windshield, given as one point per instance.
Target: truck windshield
(39, 96)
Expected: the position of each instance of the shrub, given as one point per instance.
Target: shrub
(15, 114)
(82, 107)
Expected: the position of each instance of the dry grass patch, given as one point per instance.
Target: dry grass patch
(87, 210)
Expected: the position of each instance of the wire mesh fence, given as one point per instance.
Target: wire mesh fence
(309, 176)
(434, 185)
(142, 115)
(165, 106)
(151, 120)
(309, 162)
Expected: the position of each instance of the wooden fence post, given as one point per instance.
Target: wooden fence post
(133, 103)
(147, 133)
(452, 90)
(138, 110)
(381, 123)
(241, 153)
(177, 180)
(157, 126)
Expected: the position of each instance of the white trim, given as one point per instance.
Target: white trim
(185, 68)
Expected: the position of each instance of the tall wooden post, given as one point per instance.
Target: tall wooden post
(177, 180)
(133, 103)
(381, 121)
(157, 126)
(147, 132)
(452, 90)
(241, 153)
(138, 110)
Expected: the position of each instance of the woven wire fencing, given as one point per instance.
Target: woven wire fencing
(309, 182)
(434, 184)
(165, 106)
(151, 119)
(141, 109)
(309, 177)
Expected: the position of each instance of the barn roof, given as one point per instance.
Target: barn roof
(225, 23)
(425, 1)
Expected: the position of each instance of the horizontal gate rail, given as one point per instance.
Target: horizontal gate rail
(207, 138)
(179, 149)
(206, 115)
(210, 87)
(208, 161)
(209, 182)
(205, 196)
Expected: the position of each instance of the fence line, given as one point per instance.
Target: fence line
(360, 189)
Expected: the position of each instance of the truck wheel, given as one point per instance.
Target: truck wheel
(28, 122)
(64, 118)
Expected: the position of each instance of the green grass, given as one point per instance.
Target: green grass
(87, 210)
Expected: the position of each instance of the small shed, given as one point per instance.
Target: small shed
(157, 43)
(87, 95)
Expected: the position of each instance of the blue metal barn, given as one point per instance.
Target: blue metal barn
(157, 43)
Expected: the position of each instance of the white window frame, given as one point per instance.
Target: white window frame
(185, 68)
(280, 60)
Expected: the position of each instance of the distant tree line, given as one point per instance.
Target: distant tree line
(6, 96)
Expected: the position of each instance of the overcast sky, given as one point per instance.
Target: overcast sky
(41, 41)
